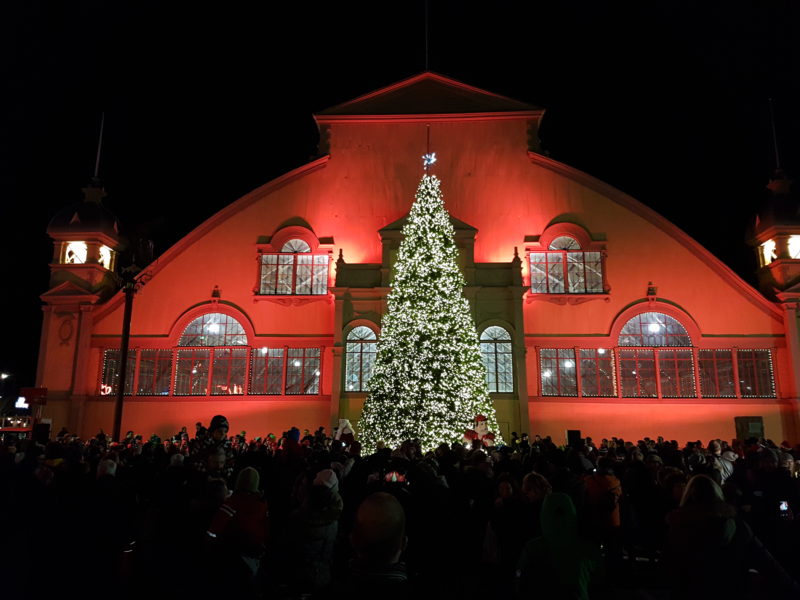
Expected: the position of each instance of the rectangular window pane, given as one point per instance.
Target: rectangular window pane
(575, 273)
(303, 276)
(594, 272)
(584, 272)
(716, 373)
(269, 274)
(756, 378)
(302, 371)
(558, 372)
(155, 369)
(320, 277)
(285, 273)
(538, 273)
(191, 372)
(555, 272)
(109, 384)
(369, 351)
(266, 374)
(230, 366)
(637, 373)
(676, 371)
(505, 367)
(597, 372)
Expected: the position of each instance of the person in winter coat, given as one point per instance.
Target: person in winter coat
(708, 550)
(314, 528)
(240, 529)
(558, 565)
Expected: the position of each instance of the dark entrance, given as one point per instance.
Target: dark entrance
(747, 427)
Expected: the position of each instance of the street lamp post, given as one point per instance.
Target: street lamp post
(128, 291)
(132, 278)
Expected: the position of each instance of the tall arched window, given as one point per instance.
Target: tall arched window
(362, 345)
(565, 268)
(498, 359)
(295, 270)
(655, 351)
(213, 357)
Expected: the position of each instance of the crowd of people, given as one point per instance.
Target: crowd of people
(308, 515)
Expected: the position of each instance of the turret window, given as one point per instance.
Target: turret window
(75, 253)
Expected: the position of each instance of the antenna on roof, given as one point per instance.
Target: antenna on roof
(428, 138)
(426, 35)
(774, 136)
(99, 146)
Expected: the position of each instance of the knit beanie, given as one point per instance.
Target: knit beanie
(327, 478)
(247, 480)
(217, 422)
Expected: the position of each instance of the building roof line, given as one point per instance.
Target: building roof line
(647, 213)
(220, 216)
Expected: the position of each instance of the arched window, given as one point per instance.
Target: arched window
(295, 270)
(653, 329)
(214, 329)
(650, 357)
(564, 242)
(497, 358)
(565, 268)
(655, 358)
(215, 351)
(362, 345)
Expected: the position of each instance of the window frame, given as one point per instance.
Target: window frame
(510, 357)
(171, 346)
(296, 265)
(274, 246)
(554, 258)
(616, 354)
(346, 341)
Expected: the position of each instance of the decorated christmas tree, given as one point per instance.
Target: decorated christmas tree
(428, 380)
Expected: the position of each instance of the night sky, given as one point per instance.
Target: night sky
(665, 100)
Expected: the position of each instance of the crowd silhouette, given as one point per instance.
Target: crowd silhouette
(306, 515)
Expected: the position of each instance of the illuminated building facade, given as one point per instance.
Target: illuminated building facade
(594, 312)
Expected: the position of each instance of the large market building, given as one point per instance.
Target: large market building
(594, 312)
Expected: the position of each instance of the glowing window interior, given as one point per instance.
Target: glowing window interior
(214, 329)
(105, 256)
(794, 246)
(497, 358)
(75, 253)
(564, 242)
(296, 245)
(768, 253)
(362, 346)
(653, 329)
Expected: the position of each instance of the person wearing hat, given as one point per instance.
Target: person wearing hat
(480, 432)
(216, 441)
(240, 528)
(314, 528)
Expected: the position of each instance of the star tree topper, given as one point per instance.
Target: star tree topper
(428, 160)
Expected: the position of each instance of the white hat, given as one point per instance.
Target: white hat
(327, 478)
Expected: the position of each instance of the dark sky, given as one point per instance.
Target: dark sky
(665, 100)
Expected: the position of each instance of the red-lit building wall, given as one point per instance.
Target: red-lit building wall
(491, 182)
